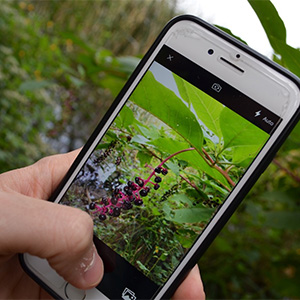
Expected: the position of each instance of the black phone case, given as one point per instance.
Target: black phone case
(244, 190)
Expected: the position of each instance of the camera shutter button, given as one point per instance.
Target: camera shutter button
(72, 292)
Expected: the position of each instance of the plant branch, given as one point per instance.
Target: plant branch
(286, 170)
(151, 152)
(220, 170)
(190, 183)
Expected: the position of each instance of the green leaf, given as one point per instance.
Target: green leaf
(192, 215)
(113, 83)
(168, 145)
(128, 63)
(163, 256)
(144, 158)
(103, 56)
(173, 167)
(240, 136)
(207, 109)
(186, 237)
(166, 106)
(276, 33)
(230, 33)
(32, 85)
(149, 132)
(77, 41)
(155, 211)
(290, 56)
(75, 81)
(140, 139)
(103, 146)
(142, 267)
(125, 118)
(270, 20)
(181, 198)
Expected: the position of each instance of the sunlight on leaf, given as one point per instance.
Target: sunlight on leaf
(166, 106)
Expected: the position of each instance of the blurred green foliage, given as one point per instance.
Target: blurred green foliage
(61, 64)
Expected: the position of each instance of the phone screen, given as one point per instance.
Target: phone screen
(173, 154)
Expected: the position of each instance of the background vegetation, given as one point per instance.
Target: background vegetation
(61, 64)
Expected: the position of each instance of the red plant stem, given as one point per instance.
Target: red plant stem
(190, 183)
(208, 159)
(215, 166)
(166, 159)
(174, 154)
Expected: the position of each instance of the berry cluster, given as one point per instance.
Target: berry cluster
(107, 152)
(132, 193)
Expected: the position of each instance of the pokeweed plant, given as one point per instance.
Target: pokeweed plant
(201, 147)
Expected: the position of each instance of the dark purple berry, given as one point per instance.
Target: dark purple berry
(157, 170)
(129, 192)
(129, 138)
(156, 186)
(140, 182)
(127, 205)
(92, 205)
(116, 211)
(102, 217)
(118, 161)
(130, 183)
(143, 192)
(116, 191)
(113, 200)
(136, 179)
(104, 201)
(147, 189)
(164, 171)
(134, 187)
(157, 179)
(126, 188)
(138, 202)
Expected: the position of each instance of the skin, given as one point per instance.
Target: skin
(62, 235)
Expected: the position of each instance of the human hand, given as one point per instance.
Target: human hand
(61, 234)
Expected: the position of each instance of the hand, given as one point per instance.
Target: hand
(63, 235)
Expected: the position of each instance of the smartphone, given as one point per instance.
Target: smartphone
(187, 137)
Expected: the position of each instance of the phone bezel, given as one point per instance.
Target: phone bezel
(243, 190)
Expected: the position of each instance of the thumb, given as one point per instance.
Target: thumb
(61, 234)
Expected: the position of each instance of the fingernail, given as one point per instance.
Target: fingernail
(91, 268)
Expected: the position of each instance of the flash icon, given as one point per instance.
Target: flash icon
(257, 113)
